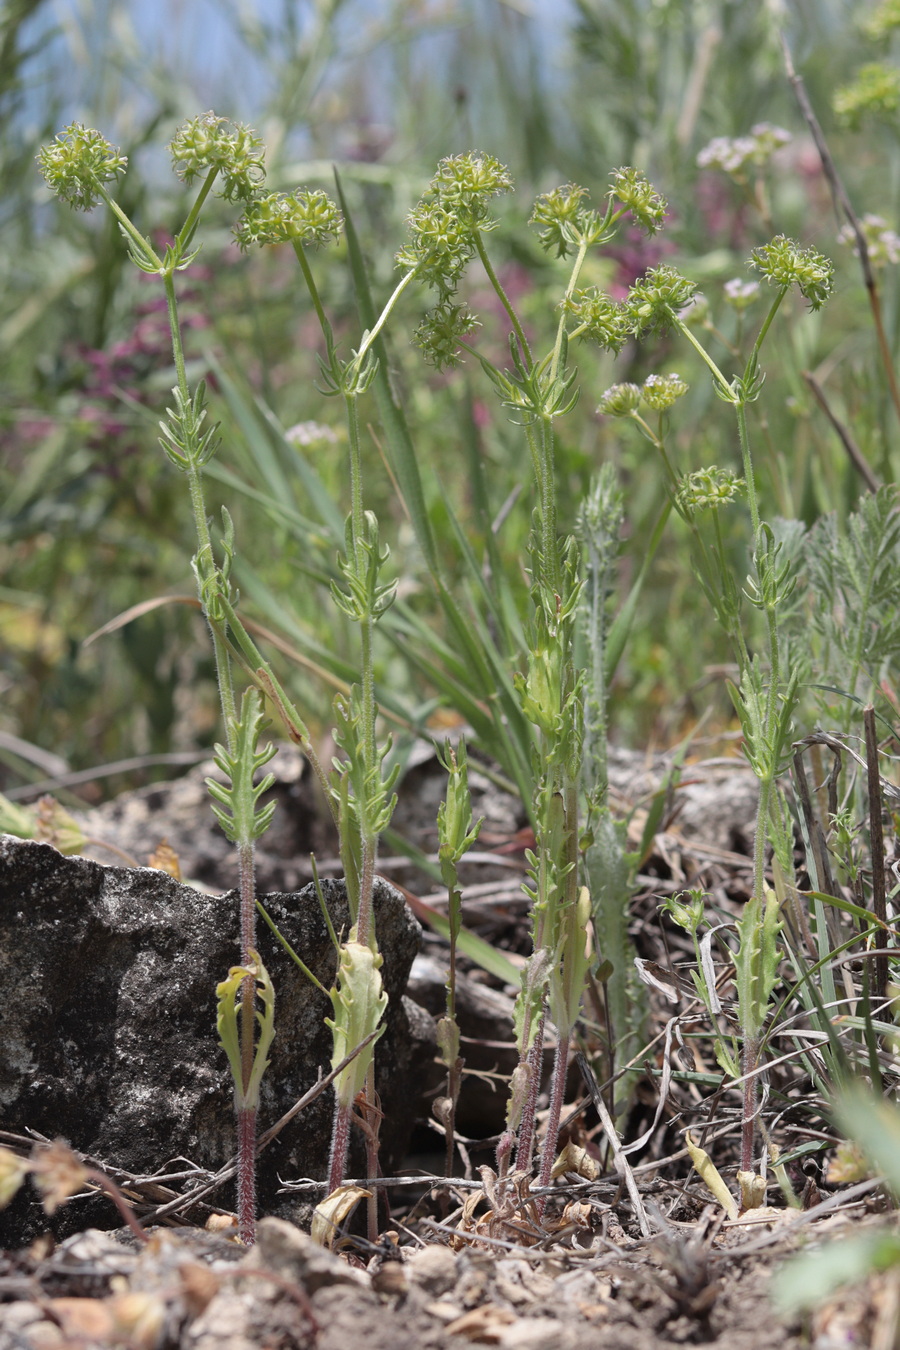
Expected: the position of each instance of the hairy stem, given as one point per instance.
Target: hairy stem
(246, 1174)
(749, 1095)
(557, 1092)
(535, 1061)
(340, 1141)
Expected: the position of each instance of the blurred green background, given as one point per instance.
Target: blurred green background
(93, 518)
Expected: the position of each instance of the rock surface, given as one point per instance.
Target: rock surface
(109, 1039)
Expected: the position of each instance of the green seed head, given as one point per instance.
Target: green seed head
(784, 263)
(620, 400)
(647, 207)
(600, 319)
(305, 217)
(561, 216)
(78, 163)
(708, 489)
(654, 302)
(209, 142)
(659, 392)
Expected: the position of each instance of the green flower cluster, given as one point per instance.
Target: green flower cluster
(784, 263)
(653, 303)
(708, 489)
(563, 218)
(620, 400)
(304, 216)
(647, 207)
(468, 182)
(206, 143)
(658, 392)
(78, 163)
(444, 224)
(875, 92)
(600, 318)
(441, 332)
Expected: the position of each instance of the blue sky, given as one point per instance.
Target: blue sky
(198, 41)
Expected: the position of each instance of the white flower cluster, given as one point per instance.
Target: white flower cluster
(739, 293)
(883, 243)
(311, 433)
(732, 154)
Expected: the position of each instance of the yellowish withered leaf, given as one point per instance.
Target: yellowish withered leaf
(333, 1211)
(710, 1176)
(165, 859)
(574, 1158)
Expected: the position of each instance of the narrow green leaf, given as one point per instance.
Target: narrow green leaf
(397, 435)
(474, 947)
(622, 624)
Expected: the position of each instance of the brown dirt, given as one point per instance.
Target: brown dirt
(589, 1284)
(594, 1272)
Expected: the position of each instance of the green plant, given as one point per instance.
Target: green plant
(765, 700)
(78, 166)
(526, 654)
(448, 229)
(857, 618)
(456, 835)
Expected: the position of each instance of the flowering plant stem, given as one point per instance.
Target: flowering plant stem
(764, 705)
(448, 228)
(77, 166)
(456, 835)
(360, 789)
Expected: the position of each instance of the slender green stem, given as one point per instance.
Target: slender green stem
(371, 336)
(205, 558)
(357, 528)
(369, 841)
(142, 244)
(207, 576)
(383, 317)
(724, 385)
(747, 463)
(504, 300)
(766, 325)
(741, 413)
(767, 786)
(187, 230)
(178, 356)
(313, 289)
(264, 677)
(549, 560)
(561, 326)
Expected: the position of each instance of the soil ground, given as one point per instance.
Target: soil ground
(636, 1257)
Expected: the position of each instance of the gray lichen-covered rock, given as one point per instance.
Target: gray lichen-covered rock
(108, 1018)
